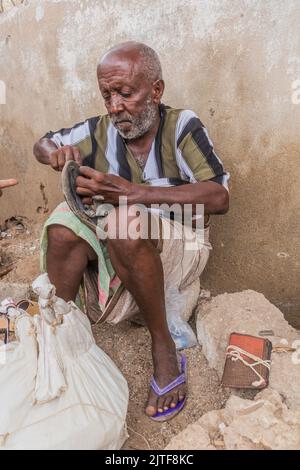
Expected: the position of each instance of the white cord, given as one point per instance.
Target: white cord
(235, 353)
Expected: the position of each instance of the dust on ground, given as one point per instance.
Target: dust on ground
(129, 347)
(19, 249)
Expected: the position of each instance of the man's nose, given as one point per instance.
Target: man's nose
(116, 104)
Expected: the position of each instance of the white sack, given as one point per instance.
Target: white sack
(58, 390)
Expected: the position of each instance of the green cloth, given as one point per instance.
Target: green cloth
(108, 282)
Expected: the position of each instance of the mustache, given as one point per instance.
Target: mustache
(120, 118)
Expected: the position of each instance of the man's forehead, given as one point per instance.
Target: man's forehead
(116, 63)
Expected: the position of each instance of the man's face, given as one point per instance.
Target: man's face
(129, 98)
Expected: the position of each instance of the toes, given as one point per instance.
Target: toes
(182, 393)
(151, 408)
(168, 402)
(160, 404)
(174, 400)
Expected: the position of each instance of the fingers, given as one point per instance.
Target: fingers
(8, 183)
(57, 160)
(95, 186)
(53, 160)
(92, 174)
(95, 183)
(77, 156)
(59, 157)
(68, 153)
(87, 200)
(114, 181)
(85, 191)
(84, 182)
(62, 158)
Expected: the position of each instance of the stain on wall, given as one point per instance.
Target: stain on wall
(235, 62)
(6, 5)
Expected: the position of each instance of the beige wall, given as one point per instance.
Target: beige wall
(233, 62)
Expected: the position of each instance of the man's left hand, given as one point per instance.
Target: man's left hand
(110, 187)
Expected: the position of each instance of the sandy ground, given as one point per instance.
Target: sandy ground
(19, 244)
(129, 346)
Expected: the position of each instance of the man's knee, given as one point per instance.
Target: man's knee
(123, 223)
(62, 237)
(129, 232)
(131, 223)
(63, 241)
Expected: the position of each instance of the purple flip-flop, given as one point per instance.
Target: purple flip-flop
(171, 412)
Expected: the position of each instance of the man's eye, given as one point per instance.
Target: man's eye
(125, 95)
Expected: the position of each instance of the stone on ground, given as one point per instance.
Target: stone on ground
(17, 291)
(250, 312)
(265, 423)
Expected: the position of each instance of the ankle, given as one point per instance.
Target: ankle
(163, 343)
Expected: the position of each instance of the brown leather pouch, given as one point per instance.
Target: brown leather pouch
(247, 362)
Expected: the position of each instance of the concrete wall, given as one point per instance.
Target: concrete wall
(232, 61)
(6, 5)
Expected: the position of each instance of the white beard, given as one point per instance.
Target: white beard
(141, 123)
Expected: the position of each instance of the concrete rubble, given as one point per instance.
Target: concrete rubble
(251, 313)
(264, 423)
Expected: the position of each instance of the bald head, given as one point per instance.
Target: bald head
(129, 77)
(144, 57)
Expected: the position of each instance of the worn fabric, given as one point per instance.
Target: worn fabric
(108, 282)
(182, 149)
(184, 255)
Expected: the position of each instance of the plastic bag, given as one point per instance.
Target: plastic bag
(180, 330)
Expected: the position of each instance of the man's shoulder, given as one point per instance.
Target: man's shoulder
(183, 114)
(180, 119)
(95, 121)
(86, 125)
(95, 124)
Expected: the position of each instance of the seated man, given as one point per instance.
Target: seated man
(128, 152)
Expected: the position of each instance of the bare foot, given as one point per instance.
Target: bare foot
(166, 369)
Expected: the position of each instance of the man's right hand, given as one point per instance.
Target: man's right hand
(59, 157)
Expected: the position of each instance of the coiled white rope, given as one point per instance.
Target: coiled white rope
(235, 353)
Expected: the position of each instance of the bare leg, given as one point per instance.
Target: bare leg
(67, 258)
(138, 265)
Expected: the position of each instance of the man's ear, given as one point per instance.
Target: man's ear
(158, 88)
